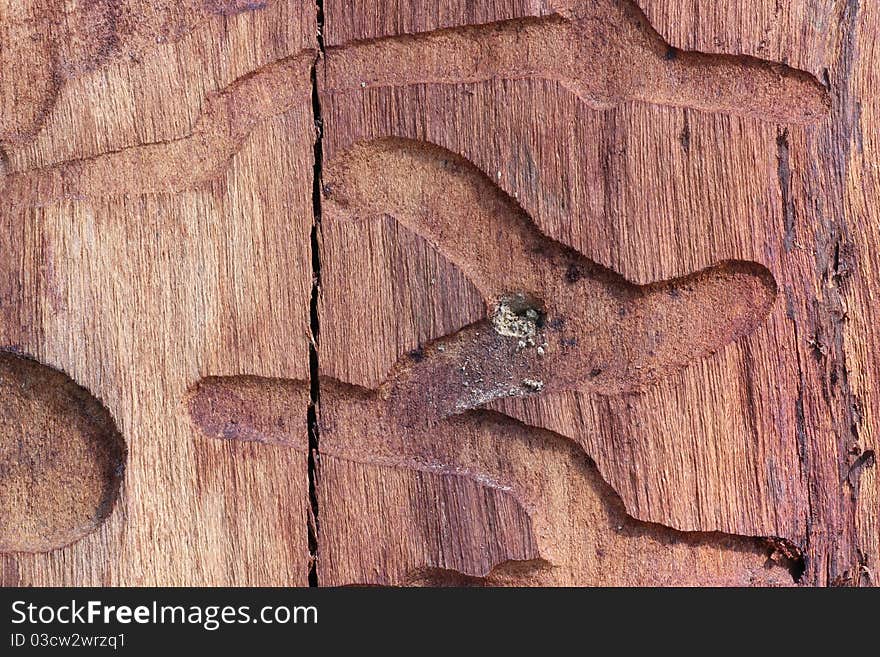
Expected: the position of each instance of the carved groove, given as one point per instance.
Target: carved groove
(59, 41)
(507, 572)
(603, 51)
(61, 458)
(592, 330)
(481, 462)
(606, 52)
(182, 164)
(558, 321)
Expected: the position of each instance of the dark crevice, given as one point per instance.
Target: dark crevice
(840, 259)
(685, 136)
(784, 172)
(788, 555)
(314, 320)
(319, 4)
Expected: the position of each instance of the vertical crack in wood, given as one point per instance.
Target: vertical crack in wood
(314, 320)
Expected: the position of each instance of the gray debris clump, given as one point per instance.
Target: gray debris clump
(533, 385)
(515, 318)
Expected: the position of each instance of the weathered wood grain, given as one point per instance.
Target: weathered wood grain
(857, 268)
(476, 496)
(136, 292)
(744, 442)
(342, 361)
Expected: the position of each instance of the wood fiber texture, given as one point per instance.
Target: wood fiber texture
(432, 292)
(772, 436)
(138, 276)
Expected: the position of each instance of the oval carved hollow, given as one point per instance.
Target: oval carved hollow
(62, 458)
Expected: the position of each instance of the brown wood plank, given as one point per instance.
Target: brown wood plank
(743, 442)
(565, 292)
(137, 285)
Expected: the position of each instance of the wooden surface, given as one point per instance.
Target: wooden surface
(138, 295)
(438, 292)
